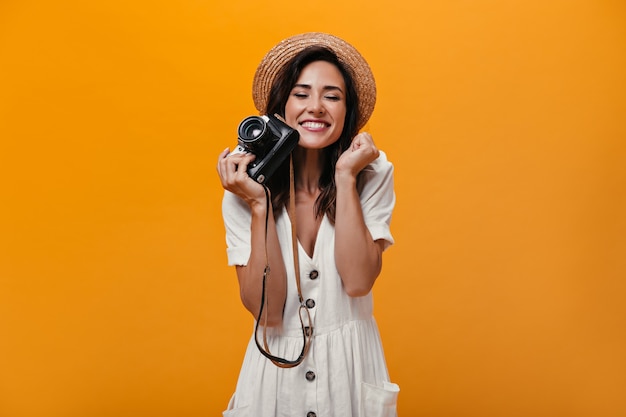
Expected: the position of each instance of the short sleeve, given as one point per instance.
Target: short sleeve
(237, 220)
(378, 198)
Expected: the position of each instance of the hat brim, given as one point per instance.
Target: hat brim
(285, 50)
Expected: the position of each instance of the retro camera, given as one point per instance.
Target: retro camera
(270, 139)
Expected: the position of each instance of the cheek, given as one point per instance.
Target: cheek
(290, 113)
(341, 117)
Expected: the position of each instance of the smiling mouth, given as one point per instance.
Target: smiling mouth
(314, 125)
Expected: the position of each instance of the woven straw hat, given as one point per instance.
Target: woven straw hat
(288, 48)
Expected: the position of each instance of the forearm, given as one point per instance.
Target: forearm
(357, 256)
(251, 275)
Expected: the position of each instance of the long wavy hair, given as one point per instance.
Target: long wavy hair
(279, 93)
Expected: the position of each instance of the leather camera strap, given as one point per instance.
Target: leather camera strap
(303, 311)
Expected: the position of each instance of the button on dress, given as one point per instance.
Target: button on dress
(344, 373)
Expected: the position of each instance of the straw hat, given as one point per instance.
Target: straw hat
(288, 48)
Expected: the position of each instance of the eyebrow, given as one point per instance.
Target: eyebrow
(326, 87)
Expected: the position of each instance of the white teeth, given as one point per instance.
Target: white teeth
(314, 125)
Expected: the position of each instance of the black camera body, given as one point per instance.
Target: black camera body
(270, 139)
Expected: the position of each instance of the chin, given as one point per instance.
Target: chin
(316, 143)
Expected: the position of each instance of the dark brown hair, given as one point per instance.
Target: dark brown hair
(279, 93)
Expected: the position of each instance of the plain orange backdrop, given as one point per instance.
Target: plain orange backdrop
(504, 295)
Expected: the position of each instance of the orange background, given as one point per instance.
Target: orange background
(503, 297)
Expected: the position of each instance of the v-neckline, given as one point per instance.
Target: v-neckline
(311, 256)
(315, 244)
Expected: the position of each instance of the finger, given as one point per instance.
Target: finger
(365, 137)
(358, 142)
(221, 158)
(224, 158)
(228, 168)
(244, 161)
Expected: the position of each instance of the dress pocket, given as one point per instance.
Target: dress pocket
(231, 411)
(379, 401)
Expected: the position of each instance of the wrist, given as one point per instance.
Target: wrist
(259, 203)
(257, 199)
(344, 178)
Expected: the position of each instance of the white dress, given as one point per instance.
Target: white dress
(344, 373)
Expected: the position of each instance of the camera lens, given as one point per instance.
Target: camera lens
(251, 129)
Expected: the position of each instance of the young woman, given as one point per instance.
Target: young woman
(317, 299)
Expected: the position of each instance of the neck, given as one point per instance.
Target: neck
(308, 169)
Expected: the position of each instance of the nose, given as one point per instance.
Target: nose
(315, 105)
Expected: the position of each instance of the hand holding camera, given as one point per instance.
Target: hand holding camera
(264, 142)
(270, 139)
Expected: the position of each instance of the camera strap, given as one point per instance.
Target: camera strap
(303, 311)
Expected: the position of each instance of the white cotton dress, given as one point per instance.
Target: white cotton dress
(344, 373)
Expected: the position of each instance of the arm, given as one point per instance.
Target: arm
(357, 255)
(233, 175)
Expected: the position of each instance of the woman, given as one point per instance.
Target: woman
(343, 188)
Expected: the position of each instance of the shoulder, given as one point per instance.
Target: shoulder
(381, 166)
(377, 195)
(234, 210)
(378, 173)
(382, 160)
(232, 201)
